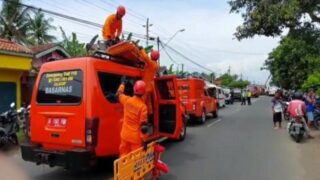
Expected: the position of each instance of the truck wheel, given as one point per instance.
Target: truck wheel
(215, 114)
(183, 132)
(203, 116)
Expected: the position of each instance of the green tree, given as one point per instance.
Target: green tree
(271, 17)
(72, 44)
(38, 29)
(297, 56)
(13, 21)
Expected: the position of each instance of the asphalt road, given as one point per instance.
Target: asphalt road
(240, 144)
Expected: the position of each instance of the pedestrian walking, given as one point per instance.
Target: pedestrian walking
(277, 110)
(243, 97)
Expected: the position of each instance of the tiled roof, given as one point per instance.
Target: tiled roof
(6, 45)
(40, 48)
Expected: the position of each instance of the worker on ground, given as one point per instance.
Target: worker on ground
(134, 118)
(150, 71)
(112, 27)
(249, 97)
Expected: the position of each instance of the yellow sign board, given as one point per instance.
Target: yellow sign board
(136, 165)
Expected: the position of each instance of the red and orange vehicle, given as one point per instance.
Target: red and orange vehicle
(198, 103)
(76, 117)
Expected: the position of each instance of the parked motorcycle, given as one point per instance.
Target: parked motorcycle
(285, 110)
(23, 116)
(296, 129)
(9, 126)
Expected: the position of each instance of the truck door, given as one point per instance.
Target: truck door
(168, 107)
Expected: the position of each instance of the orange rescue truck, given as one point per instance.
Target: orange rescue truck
(196, 99)
(75, 114)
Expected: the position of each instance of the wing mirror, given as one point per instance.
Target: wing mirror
(12, 105)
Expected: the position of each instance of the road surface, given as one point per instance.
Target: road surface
(241, 144)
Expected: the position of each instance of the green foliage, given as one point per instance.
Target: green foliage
(72, 44)
(232, 81)
(297, 56)
(312, 81)
(170, 70)
(13, 21)
(38, 29)
(271, 17)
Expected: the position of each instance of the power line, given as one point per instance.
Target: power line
(188, 59)
(72, 18)
(165, 50)
(134, 14)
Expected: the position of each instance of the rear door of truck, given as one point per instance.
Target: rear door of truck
(168, 107)
(58, 110)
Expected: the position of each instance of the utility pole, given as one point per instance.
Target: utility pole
(158, 44)
(147, 30)
(229, 70)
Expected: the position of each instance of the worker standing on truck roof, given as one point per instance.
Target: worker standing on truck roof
(150, 71)
(134, 118)
(112, 27)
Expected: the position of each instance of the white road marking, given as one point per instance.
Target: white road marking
(213, 123)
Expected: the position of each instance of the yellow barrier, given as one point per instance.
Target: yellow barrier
(136, 165)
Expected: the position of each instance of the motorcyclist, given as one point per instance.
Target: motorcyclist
(297, 109)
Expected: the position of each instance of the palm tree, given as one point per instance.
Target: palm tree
(72, 44)
(13, 21)
(38, 29)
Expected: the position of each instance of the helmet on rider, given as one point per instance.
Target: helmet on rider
(139, 88)
(121, 11)
(155, 55)
(297, 96)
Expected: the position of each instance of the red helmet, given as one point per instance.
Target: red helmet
(121, 11)
(155, 55)
(139, 88)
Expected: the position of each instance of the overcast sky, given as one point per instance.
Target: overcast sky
(208, 36)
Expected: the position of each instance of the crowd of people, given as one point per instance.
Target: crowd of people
(305, 105)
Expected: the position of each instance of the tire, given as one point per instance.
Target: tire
(215, 113)
(183, 132)
(299, 138)
(203, 116)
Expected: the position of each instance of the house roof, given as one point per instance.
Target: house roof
(13, 48)
(41, 50)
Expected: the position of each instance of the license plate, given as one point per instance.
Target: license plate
(57, 122)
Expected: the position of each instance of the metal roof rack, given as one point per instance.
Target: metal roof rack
(120, 60)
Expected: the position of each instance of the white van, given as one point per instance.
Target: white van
(217, 92)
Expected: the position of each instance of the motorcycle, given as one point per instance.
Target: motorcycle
(23, 116)
(285, 110)
(9, 127)
(296, 129)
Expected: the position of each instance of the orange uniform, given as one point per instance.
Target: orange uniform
(150, 70)
(112, 27)
(135, 114)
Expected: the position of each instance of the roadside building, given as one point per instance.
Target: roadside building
(41, 54)
(15, 60)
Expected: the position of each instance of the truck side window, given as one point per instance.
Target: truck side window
(166, 89)
(109, 84)
(205, 93)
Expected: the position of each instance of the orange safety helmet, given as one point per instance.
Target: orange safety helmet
(121, 11)
(155, 55)
(139, 88)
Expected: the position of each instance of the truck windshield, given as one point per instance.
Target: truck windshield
(62, 87)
